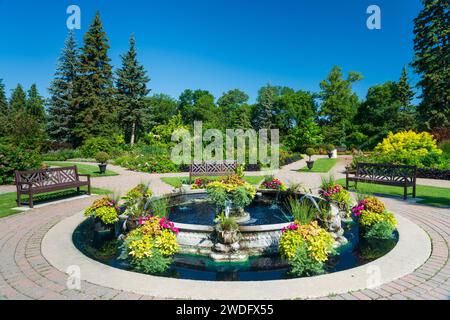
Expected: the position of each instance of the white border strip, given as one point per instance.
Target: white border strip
(412, 250)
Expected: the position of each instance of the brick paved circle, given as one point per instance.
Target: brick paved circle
(26, 274)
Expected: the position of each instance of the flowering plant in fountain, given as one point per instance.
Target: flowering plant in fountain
(334, 192)
(306, 247)
(200, 183)
(273, 184)
(135, 200)
(373, 218)
(151, 246)
(232, 189)
(105, 209)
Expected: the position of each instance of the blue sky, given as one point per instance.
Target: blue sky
(217, 44)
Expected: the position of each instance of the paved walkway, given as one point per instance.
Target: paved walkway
(25, 273)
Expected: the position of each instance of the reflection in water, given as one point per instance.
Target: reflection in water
(103, 247)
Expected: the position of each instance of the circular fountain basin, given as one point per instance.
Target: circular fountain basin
(194, 215)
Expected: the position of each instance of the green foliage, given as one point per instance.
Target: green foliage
(218, 196)
(241, 197)
(21, 128)
(131, 86)
(4, 107)
(14, 157)
(103, 209)
(149, 159)
(151, 246)
(92, 146)
(232, 106)
(303, 212)
(95, 115)
(339, 104)
(432, 58)
(156, 264)
(61, 113)
(18, 99)
(102, 157)
(318, 241)
(303, 264)
(61, 155)
(225, 223)
(159, 207)
(380, 230)
(35, 104)
(310, 152)
(408, 148)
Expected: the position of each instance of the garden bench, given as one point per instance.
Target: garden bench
(212, 168)
(385, 174)
(33, 182)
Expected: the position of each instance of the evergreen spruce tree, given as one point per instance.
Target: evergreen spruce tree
(94, 106)
(18, 99)
(35, 104)
(432, 59)
(406, 117)
(131, 87)
(4, 108)
(264, 107)
(61, 115)
(404, 93)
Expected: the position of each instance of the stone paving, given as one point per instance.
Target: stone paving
(25, 273)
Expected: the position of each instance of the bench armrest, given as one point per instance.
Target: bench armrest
(88, 176)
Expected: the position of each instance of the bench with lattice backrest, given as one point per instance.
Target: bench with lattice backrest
(32, 182)
(212, 168)
(385, 174)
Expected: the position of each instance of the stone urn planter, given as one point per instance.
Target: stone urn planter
(102, 168)
(310, 164)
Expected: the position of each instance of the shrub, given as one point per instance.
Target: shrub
(61, 155)
(380, 230)
(303, 264)
(310, 152)
(104, 209)
(139, 160)
(102, 157)
(16, 158)
(408, 148)
(319, 242)
(94, 145)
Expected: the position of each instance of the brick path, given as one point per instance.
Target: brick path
(25, 273)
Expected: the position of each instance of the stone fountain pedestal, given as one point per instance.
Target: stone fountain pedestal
(227, 247)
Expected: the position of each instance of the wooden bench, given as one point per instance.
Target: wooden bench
(385, 174)
(212, 168)
(33, 182)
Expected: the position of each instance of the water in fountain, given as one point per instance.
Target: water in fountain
(228, 204)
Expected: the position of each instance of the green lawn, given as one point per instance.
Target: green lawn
(8, 200)
(177, 181)
(432, 196)
(82, 168)
(322, 165)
